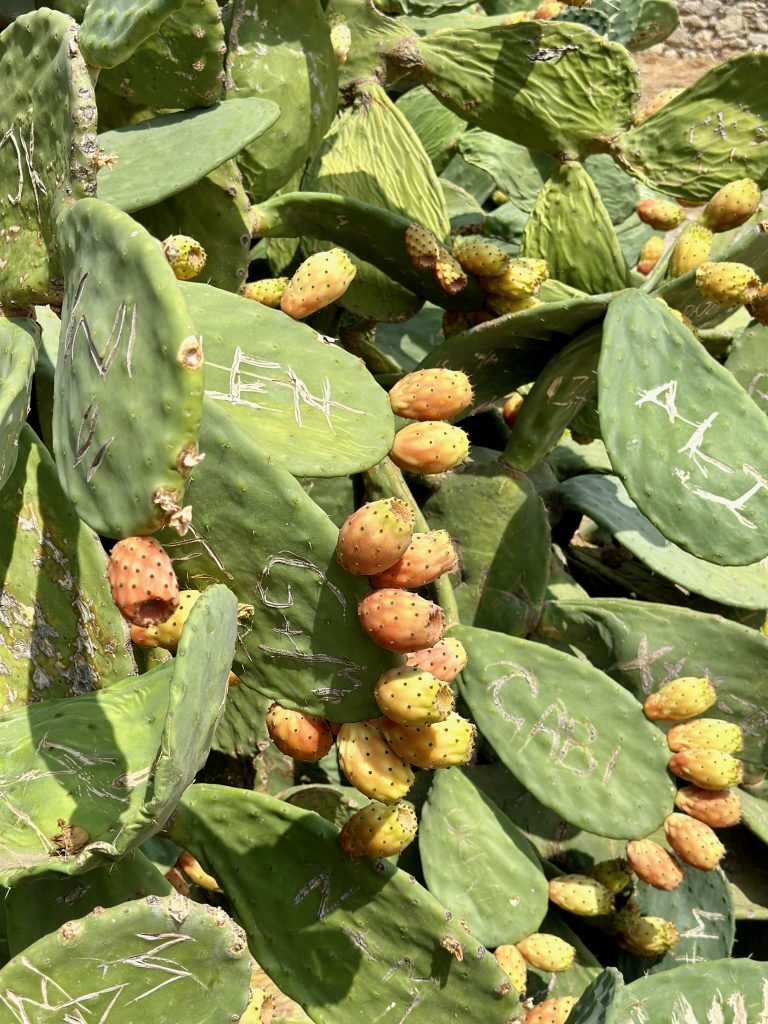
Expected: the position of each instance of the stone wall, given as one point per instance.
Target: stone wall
(718, 28)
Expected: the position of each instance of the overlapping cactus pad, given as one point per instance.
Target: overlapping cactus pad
(383, 516)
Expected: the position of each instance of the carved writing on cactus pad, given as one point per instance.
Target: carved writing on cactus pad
(323, 883)
(728, 1008)
(28, 146)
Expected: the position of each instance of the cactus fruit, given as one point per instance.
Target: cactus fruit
(185, 255)
(440, 745)
(691, 249)
(681, 698)
(511, 19)
(548, 9)
(511, 408)
(429, 556)
(370, 764)
(410, 696)
(422, 247)
(732, 205)
(298, 735)
(481, 257)
(445, 660)
(268, 292)
(319, 280)
(758, 306)
(718, 808)
(450, 273)
(341, 37)
(379, 830)
(375, 536)
(654, 865)
(429, 447)
(401, 621)
(522, 279)
(431, 394)
(650, 936)
(613, 874)
(580, 894)
(693, 842)
(727, 284)
(552, 1011)
(708, 734)
(503, 304)
(707, 769)
(196, 873)
(660, 214)
(142, 581)
(650, 254)
(512, 962)
(659, 101)
(166, 634)
(547, 952)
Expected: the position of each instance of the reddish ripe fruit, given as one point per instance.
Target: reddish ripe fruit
(429, 556)
(511, 409)
(660, 214)
(445, 660)
(718, 808)
(142, 581)
(304, 737)
(319, 280)
(431, 394)
(654, 865)
(401, 621)
(374, 538)
(429, 447)
(693, 842)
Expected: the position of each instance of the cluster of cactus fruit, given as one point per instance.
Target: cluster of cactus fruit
(307, 706)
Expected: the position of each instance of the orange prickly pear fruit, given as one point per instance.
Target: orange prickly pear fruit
(580, 894)
(660, 214)
(727, 284)
(379, 830)
(445, 660)
(681, 698)
(410, 696)
(296, 734)
(429, 556)
(693, 842)
(431, 394)
(547, 9)
(650, 936)
(481, 257)
(319, 280)
(691, 249)
(370, 764)
(650, 254)
(401, 621)
(429, 447)
(268, 292)
(613, 874)
(707, 734)
(707, 769)
(718, 808)
(655, 104)
(142, 581)
(511, 409)
(513, 964)
(732, 205)
(167, 634)
(439, 745)
(552, 1011)
(547, 952)
(375, 536)
(522, 279)
(422, 246)
(185, 255)
(450, 273)
(653, 864)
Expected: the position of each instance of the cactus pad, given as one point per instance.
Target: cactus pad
(19, 343)
(112, 31)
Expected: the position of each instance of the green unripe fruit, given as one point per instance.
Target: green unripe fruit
(580, 894)
(650, 936)
(613, 874)
(185, 255)
(268, 292)
(690, 250)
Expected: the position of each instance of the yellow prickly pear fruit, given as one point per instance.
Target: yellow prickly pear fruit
(439, 745)
(422, 246)
(650, 254)
(410, 696)
(375, 536)
(185, 255)
(552, 1011)
(580, 894)
(268, 292)
(429, 447)
(298, 735)
(707, 769)
(693, 842)
(613, 874)
(727, 284)
(444, 661)
(690, 250)
(655, 104)
(732, 205)
(522, 279)
(654, 865)
(718, 808)
(481, 257)
(660, 214)
(319, 280)
(707, 734)
(431, 394)
(370, 764)
(450, 273)
(379, 830)
(547, 952)
(401, 621)
(167, 634)
(429, 556)
(502, 304)
(511, 409)
(650, 936)
(681, 698)
(341, 37)
(196, 873)
(512, 962)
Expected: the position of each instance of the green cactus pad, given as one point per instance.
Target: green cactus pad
(699, 471)
(614, 19)
(125, 334)
(605, 499)
(19, 342)
(111, 31)
(517, 171)
(598, 1001)
(312, 406)
(60, 633)
(558, 89)
(257, 530)
(748, 362)
(569, 211)
(754, 811)
(389, 940)
(336, 804)
(658, 20)
(707, 136)
(372, 33)
(564, 730)
(46, 153)
(438, 128)
(160, 157)
(500, 584)
(508, 897)
(137, 962)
